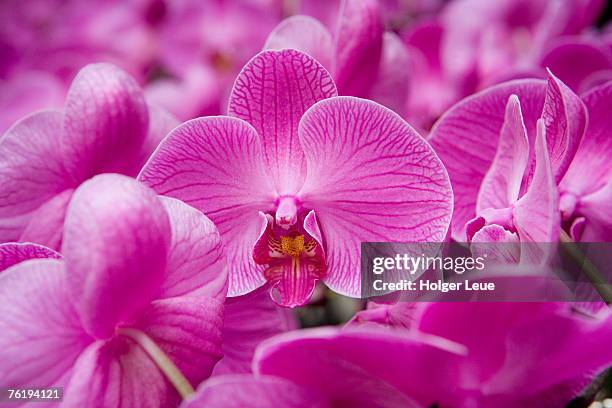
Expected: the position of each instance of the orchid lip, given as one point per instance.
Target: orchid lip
(294, 260)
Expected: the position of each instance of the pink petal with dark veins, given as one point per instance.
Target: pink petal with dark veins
(371, 177)
(215, 165)
(12, 253)
(272, 93)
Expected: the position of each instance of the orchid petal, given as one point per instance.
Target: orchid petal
(483, 329)
(359, 39)
(117, 374)
(271, 93)
(13, 253)
(501, 185)
(238, 391)
(496, 244)
(341, 365)
(114, 272)
(371, 177)
(565, 347)
(597, 208)
(565, 117)
(593, 156)
(31, 170)
(247, 321)
(575, 59)
(466, 138)
(214, 164)
(105, 122)
(306, 34)
(196, 262)
(40, 332)
(540, 202)
(47, 222)
(393, 78)
(188, 330)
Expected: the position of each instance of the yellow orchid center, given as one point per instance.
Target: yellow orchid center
(292, 246)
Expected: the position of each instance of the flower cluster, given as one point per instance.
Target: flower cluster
(178, 178)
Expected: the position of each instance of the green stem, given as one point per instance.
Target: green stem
(170, 370)
(590, 270)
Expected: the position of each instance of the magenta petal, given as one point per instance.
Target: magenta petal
(574, 60)
(359, 39)
(565, 117)
(393, 78)
(13, 253)
(271, 93)
(536, 214)
(214, 164)
(306, 34)
(597, 208)
(40, 332)
(196, 262)
(247, 321)
(502, 183)
(483, 329)
(484, 241)
(564, 349)
(47, 222)
(118, 374)
(189, 331)
(595, 150)
(31, 170)
(105, 121)
(239, 391)
(345, 365)
(116, 239)
(466, 139)
(371, 177)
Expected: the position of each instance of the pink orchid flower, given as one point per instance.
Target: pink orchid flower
(518, 354)
(581, 62)
(586, 188)
(297, 178)
(105, 126)
(499, 355)
(364, 60)
(328, 367)
(139, 289)
(247, 320)
(504, 176)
